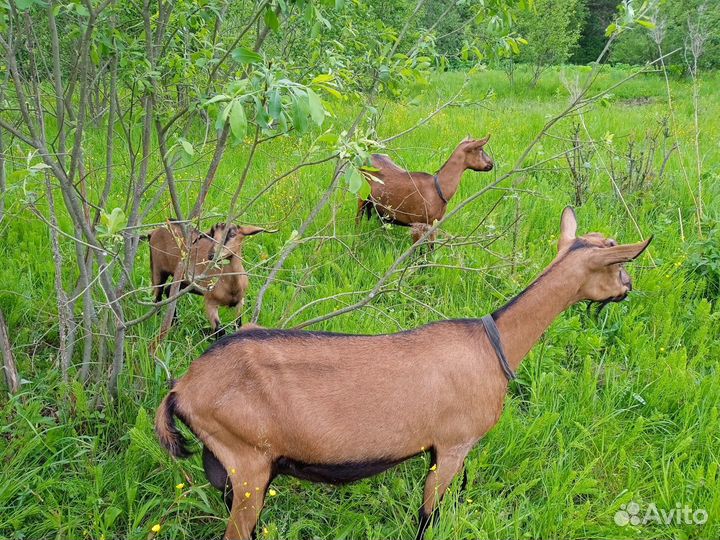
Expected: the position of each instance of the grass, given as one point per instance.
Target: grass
(623, 407)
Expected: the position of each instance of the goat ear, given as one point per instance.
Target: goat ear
(620, 254)
(568, 228)
(249, 230)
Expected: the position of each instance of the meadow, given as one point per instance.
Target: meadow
(607, 409)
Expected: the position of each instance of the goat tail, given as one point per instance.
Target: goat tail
(167, 432)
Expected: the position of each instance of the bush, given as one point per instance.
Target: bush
(552, 31)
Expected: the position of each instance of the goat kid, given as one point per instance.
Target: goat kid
(211, 267)
(418, 199)
(321, 406)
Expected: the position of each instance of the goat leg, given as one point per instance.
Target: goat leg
(447, 464)
(248, 487)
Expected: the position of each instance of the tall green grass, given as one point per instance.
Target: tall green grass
(623, 407)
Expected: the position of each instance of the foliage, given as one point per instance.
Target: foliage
(704, 259)
(154, 71)
(672, 18)
(552, 31)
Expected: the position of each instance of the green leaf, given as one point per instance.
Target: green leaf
(79, 9)
(330, 90)
(110, 515)
(271, 20)
(275, 108)
(354, 179)
(219, 97)
(114, 221)
(186, 146)
(384, 73)
(261, 115)
(299, 113)
(317, 113)
(22, 5)
(238, 121)
(41, 166)
(223, 116)
(243, 55)
(647, 24)
(365, 191)
(323, 78)
(331, 139)
(611, 29)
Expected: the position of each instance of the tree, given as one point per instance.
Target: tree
(552, 31)
(142, 77)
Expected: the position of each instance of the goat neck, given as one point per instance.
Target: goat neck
(450, 174)
(525, 318)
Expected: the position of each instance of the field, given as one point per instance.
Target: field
(607, 410)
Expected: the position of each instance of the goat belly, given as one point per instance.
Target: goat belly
(333, 473)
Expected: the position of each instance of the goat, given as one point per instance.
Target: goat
(203, 267)
(409, 198)
(167, 250)
(336, 408)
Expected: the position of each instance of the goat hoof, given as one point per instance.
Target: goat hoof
(220, 332)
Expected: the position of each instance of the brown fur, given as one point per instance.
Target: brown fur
(167, 250)
(411, 198)
(212, 265)
(314, 404)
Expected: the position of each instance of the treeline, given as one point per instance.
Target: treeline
(554, 32)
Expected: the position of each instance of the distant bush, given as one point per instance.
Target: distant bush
(552, 31)
(704, 260)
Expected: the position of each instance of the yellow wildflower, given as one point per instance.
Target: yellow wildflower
(156, 528)
(248, 494)
(232, 470)
(180, 486)
(272, 492)
(434, 467)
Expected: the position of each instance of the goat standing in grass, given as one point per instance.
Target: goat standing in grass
(336, 408)
(418, 199)
(212, 266)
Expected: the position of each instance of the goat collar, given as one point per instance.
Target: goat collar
(494, 335)
(439, 189)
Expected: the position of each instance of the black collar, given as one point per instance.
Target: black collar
(494, 335)
(439, 189)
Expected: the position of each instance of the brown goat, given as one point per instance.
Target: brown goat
(336, 408)
(212, 267)
(167, 250)
(410, 198)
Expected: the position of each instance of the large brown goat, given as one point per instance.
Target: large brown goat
(336, 408)
(212, 266)
(418, 199)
